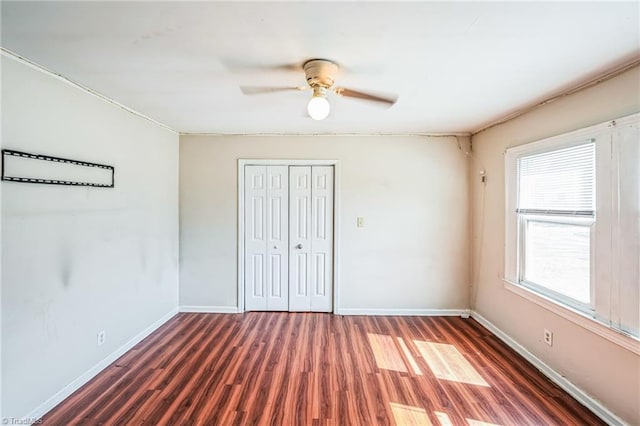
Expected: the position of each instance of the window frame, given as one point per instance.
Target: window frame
(513, 249)
(600, 317)
(557, 217)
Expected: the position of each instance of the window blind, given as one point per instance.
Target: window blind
(558, 182)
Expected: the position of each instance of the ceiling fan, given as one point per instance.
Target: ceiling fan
(320, 75)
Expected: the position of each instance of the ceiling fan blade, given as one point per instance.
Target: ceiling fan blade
(235, 65)
(350, 93)
(297, 67)
(260, 90)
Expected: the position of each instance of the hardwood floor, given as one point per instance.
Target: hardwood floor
(320, 369)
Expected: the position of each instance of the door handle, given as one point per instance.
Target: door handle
(299, 246)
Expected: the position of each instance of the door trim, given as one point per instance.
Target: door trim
(336, 220)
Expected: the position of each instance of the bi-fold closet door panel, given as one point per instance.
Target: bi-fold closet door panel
(266, 238)
(288, 238)
(311, 238)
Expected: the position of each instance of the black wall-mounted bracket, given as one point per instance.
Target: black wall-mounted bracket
(6, 153)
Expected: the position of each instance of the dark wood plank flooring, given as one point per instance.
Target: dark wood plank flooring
(264, 368)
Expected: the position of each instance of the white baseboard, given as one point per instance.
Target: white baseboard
(403, 312)
(63, 393)
(592, 404)
(209, 309)
(343, 311)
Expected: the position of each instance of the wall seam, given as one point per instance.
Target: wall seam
(9, 54)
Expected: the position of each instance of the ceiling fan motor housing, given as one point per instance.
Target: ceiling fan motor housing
(320, 72)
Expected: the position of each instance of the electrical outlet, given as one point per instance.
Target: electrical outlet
(548, 337)
(102, 337)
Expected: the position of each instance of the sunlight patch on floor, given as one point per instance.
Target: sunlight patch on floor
(479, 423)
(447, 363)
(406, 415)
(386, 353)
(445, 420)
(409, 357)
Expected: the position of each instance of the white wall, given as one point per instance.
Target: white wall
(602, 369)
(412, 192)
(79, 260)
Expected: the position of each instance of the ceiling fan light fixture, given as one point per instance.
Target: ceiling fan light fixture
(320, 75)
(318, 107)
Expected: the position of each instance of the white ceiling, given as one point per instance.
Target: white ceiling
(455, 66)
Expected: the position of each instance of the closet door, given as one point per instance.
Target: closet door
(299, 238)
(255, 240)
(266, 238)
(277, 238)
(311, 238)
(321, 283)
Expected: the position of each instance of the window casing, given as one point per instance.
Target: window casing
(587, 212)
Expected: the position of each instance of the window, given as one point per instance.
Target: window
(572, 229)
(555, 213)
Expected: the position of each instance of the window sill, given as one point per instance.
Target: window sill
(620, 338)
